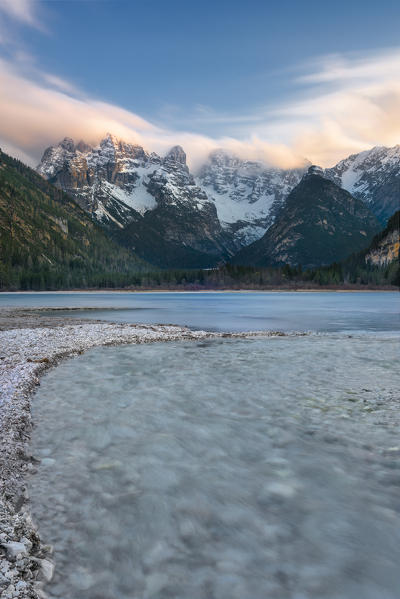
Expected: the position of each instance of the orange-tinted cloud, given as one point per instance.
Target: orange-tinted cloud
(348, 105)
(36, 114)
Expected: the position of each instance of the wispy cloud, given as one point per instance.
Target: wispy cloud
(353, 68)
(36, 114)
(340, 104)
(351, 103)
(21, 10)
(14, 13)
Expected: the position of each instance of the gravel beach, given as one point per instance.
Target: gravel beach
(30, 343)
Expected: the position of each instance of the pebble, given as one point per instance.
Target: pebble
(47, 569)
(15, 550)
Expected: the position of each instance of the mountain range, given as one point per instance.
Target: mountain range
(171, 217)
(47, 241)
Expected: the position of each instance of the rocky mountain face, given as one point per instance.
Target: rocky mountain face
(319, 223)
(372, 176)
(155, 206)
(108, 181)
(385, 247)
(247, 194)
(183, 213)
(147, 201)
(151, 202)
(117, 180)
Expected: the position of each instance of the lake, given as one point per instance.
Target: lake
(325, 311)
(227, 469)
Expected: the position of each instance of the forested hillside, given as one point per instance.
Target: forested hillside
(48, 242)
(320, 223)
(377, 266)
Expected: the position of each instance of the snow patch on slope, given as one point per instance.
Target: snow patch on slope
(232, 209)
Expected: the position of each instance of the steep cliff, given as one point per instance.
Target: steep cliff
(385, 246)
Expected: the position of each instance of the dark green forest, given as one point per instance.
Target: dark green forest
(287, 277)
(48, 242)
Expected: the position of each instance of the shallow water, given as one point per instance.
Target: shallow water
(248, 469)
(324, 311)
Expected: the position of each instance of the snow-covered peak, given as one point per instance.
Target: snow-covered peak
(228, 161)
(314, 169)
(67, 144)
(109, 141)
(222, 157)
(377, 158)
(83, 147)
(114, 148)
(176, 154)
(55, 157)
(110, 138)
(247, 194)
(116, 176)
(372, 176)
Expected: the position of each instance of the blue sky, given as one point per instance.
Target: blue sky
(167, 59)
(217, 69)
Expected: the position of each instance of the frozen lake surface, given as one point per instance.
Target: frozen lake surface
(227, 469)
(324, 311)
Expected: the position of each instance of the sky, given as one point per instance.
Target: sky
(273, 81)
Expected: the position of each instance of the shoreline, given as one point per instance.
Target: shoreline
(390, 289)
(29, 347)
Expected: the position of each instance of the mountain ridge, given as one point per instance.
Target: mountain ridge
(372, 176)
(48, 242)
(136, 195)
(199, 219)
(320, 223)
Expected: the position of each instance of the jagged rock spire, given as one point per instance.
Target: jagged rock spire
(176, 154)
(314, 169)
(67, 144)
(83, 147)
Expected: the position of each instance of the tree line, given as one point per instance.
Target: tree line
(37, 277)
